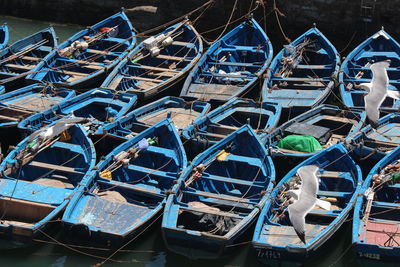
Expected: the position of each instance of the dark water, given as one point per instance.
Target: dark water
(20, 28)
(149, 250)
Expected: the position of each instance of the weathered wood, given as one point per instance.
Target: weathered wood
(213, 212)
(229, 180)
(162, 74)
(54, 167)
(218, 196)
(180, 116)
(89, 65)
(313, 67)
(115, 82)
(155, 68)
(133, 188)
(32, 58)
(339, 119)
(179, 43)
(20, 67)
(143, 79)
(74, 73)
(170, 57)
(299, 79)
(7, 118)
(331, 174)
(94, 51)
(23, 211)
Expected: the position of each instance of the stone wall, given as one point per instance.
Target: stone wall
(340, 20)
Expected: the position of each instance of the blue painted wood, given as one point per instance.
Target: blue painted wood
(146, 75)
(87, 67)
(374, 144)
(378, 47)
(234, 189)
(32, 99)
(384, 210)
(342, 124)
(4, 35)
(141, 186)
(102, 106)
(37, 185)
(20, 58)
(222, 121)
(231, 66)
(311, 80)
(275, 238)
(181, 112)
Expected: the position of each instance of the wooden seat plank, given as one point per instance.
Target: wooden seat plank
(54, 167)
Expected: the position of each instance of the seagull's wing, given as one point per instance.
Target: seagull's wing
(307, 199)
(65, 124)
(365, 86)
(35, 134)
(393, 94)
(73, 120)
(377, 95)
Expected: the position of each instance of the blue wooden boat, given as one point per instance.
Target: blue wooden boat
(123, 200)
(3, 35)
(99, 105)
(20, 58)
(222, 121)
(181, 113)
(39, 177)
(373, 144)
(325, 124)
(219, 198)
(84, 59)
(340, 182)
(22, 103)
(302, 75)
(158, 63)
(231, 66)
(355, 70)
(376, 219)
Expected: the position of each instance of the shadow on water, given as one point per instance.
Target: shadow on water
(149, 251)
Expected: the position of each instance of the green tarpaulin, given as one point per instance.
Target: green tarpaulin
(301, 143)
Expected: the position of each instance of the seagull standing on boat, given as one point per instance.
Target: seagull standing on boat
(56, 129)
(307, 199)
(377, 91)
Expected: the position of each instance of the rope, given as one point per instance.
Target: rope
(227, 24)
(341, 255)
(277, 11)
(176, 20)
(93, 248)
(81, 252)
(350, 41)
(127, 243)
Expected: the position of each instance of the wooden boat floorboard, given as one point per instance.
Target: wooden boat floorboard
(283, 235)
(180, 117)
(36, 104)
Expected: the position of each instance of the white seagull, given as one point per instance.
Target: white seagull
(56, 129)
(323, 204)
(307, 199)
(377, 91)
